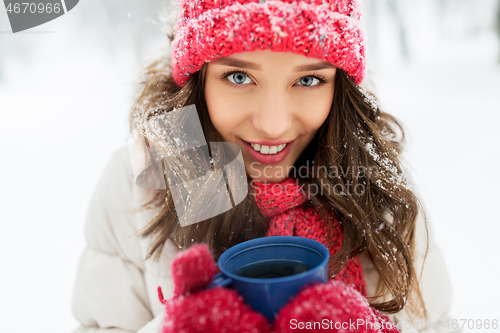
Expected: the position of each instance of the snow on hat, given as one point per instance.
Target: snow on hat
(324, 29)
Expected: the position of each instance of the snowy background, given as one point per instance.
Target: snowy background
(66, 91)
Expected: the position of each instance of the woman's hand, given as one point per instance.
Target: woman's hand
(331, 307)
(193, 309)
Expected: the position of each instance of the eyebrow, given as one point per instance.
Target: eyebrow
(251, 65)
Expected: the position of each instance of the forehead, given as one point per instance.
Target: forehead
(309, 65)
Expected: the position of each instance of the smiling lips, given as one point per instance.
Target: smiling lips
(266, 153)
(268, 149)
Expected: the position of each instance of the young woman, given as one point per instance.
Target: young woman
(281, 81)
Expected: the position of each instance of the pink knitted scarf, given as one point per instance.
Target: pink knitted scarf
(283, 202)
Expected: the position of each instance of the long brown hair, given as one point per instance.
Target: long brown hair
(380, 221)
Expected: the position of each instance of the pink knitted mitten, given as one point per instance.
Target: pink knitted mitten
(331, 307)
(193, 309)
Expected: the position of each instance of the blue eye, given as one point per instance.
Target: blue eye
(241, 78)
(238, 78)
(308, 80)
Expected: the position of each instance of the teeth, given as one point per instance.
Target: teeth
(268, 149)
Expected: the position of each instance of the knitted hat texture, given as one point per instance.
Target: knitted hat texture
(323, 29)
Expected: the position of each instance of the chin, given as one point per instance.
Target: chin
(269, 173)
(270, 179)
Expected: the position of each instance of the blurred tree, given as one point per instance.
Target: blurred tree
(378, 16)
(497, 26)
(396, 8)
(125, 24)
(370, 28)
(2, 56)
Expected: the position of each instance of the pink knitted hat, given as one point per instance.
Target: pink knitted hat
(323, 29)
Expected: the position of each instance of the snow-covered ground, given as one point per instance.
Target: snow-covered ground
(450, 109)
(447, 98)
(63, 111)
(64, 102)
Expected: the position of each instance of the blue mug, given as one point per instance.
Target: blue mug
(267, 272)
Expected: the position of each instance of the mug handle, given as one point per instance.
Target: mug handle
(219, 280)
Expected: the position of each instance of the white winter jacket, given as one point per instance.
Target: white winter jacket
(116, 289)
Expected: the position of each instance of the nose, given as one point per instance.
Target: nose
(273, 115)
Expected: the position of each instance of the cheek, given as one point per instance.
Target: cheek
(221, 111)
(314, 111)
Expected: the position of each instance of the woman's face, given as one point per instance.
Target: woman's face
(270, 104)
